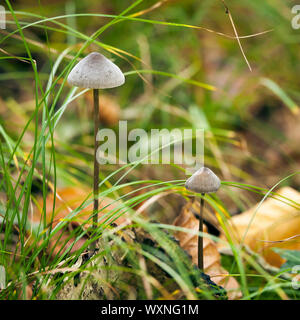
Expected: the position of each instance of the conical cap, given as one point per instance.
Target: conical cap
(96, 72)
(203, 181)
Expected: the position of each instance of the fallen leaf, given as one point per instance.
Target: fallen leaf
(212, 258)
(68, 199)
(276, 224)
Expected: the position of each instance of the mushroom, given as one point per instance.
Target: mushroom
(96, 72)
(202, 181)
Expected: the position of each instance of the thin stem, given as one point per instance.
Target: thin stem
(200, 238)
(96, 164)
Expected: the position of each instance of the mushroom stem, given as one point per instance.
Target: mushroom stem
(200, 238)
(96, 164)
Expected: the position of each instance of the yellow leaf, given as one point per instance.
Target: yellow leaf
(67, 200)
(275, 224)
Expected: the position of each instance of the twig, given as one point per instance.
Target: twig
(236, 34)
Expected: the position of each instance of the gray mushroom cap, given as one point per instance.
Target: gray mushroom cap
(203, 181)
(96, 72)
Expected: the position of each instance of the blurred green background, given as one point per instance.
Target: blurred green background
(251, 121)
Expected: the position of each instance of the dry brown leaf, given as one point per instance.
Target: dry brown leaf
(69, 199)
(276, 224)
(212, 259)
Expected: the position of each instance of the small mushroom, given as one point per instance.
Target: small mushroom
(96, 72)
(202, 181)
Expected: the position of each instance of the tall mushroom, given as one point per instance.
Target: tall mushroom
(202, 181)
(96, 72)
